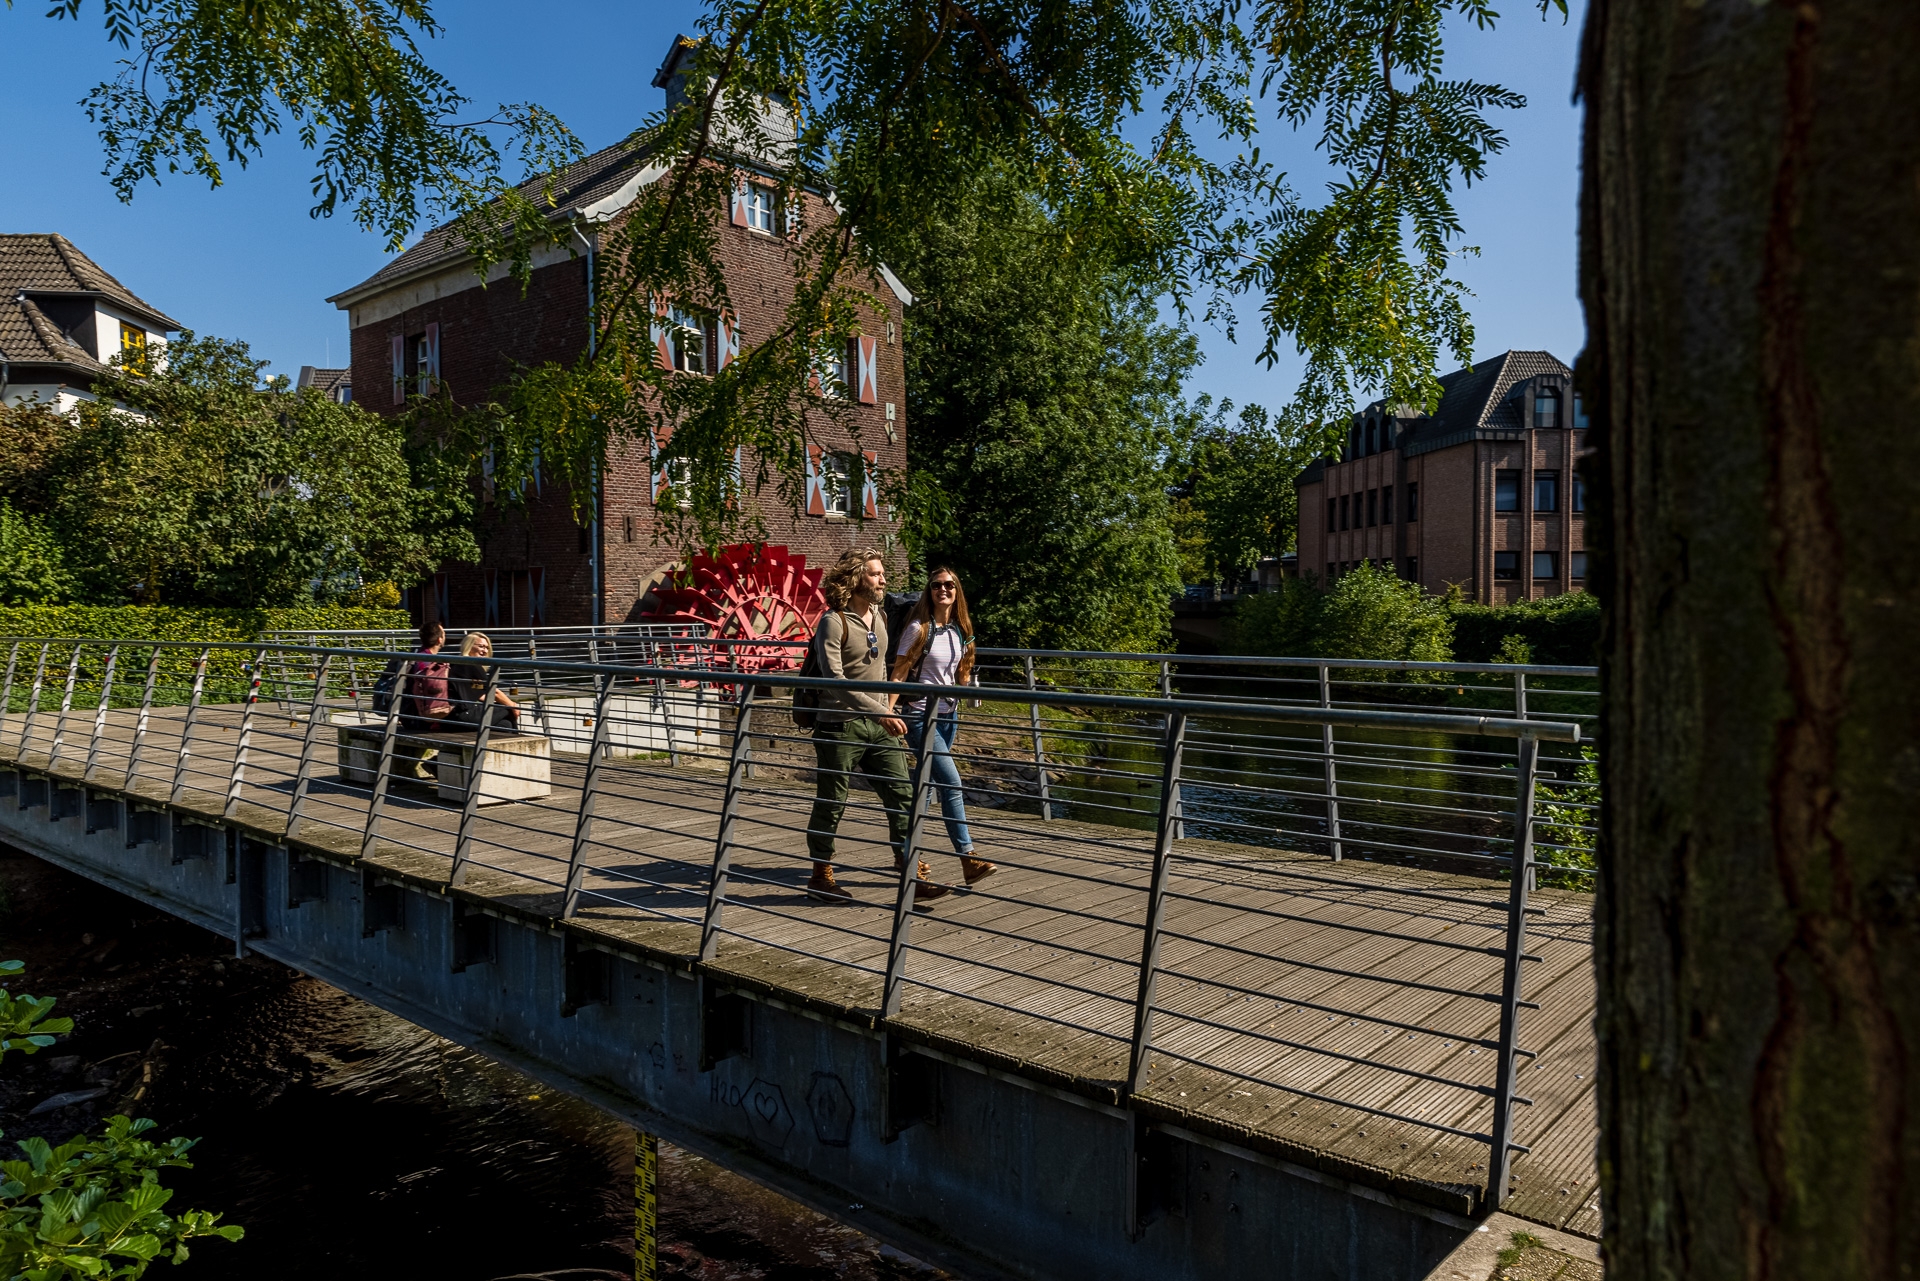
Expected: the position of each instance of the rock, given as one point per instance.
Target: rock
(66, 1100)
(64, 1065)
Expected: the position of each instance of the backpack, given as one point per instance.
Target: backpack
(898, 606)
(385, 689)
(806, 702)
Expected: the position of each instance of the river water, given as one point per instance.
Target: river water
(349, 1143)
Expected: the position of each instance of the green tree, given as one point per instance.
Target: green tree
(32, 564)
(1366, 613)
(1234, 500)
(197, 485)
(1045, 395)
(93, 1208)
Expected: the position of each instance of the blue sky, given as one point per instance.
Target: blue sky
(247, 262)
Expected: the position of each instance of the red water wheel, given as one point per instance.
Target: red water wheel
(750, 591)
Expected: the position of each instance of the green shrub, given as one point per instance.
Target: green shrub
(1557, 631)
(1368, 613)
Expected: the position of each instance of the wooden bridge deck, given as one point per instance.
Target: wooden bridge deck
(1295, 992)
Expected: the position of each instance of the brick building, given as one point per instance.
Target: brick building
(424, 321)
(1485, 493)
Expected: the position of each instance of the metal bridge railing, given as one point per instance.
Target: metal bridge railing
(1168, 915)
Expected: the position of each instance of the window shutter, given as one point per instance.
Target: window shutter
(869, 369)
(441, 597)
(399, 369)
(739, 200)
(486, 475)
(432, 371)
(791, 209)
(729, 339)
(816, 503)
(869, 488)
(661, 439)
(739, 475)
(662, 354)
(490, 596)
(537, 597)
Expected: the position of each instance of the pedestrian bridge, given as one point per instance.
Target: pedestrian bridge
(1255, 993)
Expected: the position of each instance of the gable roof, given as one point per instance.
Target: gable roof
(580, 187)
(48, 263)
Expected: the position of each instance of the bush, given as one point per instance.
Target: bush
(1367, 613)
(226, 674)
(1556, 631)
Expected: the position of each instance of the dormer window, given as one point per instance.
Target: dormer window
(1546, 409)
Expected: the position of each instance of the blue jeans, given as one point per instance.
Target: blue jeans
(946, 777)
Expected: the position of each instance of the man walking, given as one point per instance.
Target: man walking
(857, 732)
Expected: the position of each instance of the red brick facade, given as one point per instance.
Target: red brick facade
(1485, 494)
(537, 564)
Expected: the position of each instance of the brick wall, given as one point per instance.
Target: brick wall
(485, 334)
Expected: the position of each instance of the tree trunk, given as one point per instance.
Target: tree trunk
(1750, 265)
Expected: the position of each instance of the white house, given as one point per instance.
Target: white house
(63, 319)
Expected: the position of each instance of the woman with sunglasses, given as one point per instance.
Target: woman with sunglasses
(936, 648)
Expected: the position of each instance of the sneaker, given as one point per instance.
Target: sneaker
(823, 887)
(976, 869)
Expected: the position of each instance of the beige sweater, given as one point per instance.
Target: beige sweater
(844, 654)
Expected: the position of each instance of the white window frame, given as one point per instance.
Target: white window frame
(837, 474)
(763, 208)
(683, 325)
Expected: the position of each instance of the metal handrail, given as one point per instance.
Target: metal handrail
(1155, 725)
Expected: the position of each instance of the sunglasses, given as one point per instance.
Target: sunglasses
(873, 647)
(944, 585)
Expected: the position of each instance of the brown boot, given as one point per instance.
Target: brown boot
(823, 887)
(924, 888)
(976, 869)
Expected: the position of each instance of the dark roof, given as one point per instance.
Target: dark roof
(48, 263)
(28, 337)
(325, 381)
(1475, 399)
(582, 183)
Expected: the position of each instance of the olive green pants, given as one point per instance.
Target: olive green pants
(859, 746)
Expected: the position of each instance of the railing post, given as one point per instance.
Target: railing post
(1179, 793)
(737, 764)
(66, 705)
(1520, 695)
(589, 794)
(303, 776)
(33, 698)
(383, 772)
(1039, 750)
(100, 715)
(6, 694)
(186, 731)
(909, 877)
(1332, 770)
(1137, 1068)
(1500, 1158)
(239, 774)
(539, 691)
(146, 714)
(476, 779)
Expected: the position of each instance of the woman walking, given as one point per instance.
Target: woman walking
(936, 648)
(425, 706)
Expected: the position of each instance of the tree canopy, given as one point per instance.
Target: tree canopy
(194, 484)
(892, 109)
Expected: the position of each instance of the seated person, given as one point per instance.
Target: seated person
(467, 684)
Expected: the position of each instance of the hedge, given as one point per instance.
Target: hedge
(227, 673)
(170, 623)
(1559, 630)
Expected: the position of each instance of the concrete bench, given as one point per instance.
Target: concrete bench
(517, 767)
